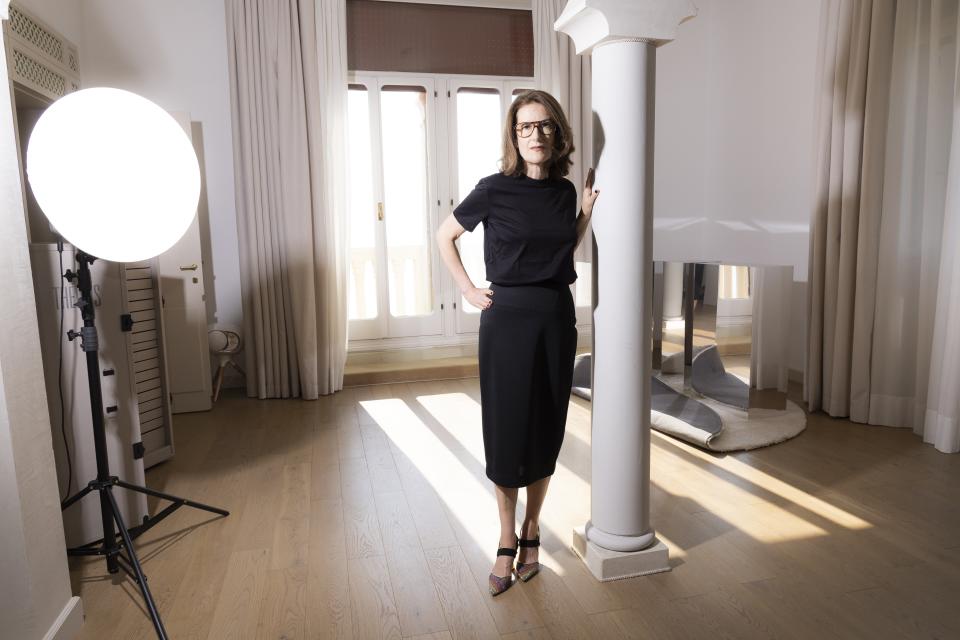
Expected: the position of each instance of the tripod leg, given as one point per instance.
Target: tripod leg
(109, 513)
(138, 571)
(167, 496)
(79, 494)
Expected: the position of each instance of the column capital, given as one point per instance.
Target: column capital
(591, 23)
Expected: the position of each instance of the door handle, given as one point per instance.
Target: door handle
(192, 267)
(379, 211)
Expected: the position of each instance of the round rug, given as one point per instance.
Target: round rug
(742, 430)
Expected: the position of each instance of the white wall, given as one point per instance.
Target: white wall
(62, 16)
(35, 597)
(175, 53)
(734, 139)
(735, 99)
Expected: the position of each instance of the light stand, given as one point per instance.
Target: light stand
(116, 545)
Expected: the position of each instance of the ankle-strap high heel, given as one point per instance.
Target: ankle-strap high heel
(500, 584)
(526, 570)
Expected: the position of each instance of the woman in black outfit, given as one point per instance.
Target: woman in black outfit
(528, 334)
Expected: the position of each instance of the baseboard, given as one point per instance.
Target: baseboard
(410, 374)
(68, 623)
(425, 348)
(410, 353)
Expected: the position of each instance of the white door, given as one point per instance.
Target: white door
(412, 158)
(393, 277)
(185, 318)
(476, 111)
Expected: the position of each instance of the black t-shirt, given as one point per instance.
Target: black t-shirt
(529, 227)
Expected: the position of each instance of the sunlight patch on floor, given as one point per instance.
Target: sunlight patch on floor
(460, 415)
(676, 551)
(758, 518)
(473, 504)
(778, 487)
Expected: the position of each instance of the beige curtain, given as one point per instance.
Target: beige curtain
(288, 84)
(566, 76)
(884, 315)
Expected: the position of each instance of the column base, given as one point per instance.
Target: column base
(608, 565)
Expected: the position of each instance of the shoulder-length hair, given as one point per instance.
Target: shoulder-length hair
(562, 139)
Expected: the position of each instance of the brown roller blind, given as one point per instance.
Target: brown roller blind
(430, 38)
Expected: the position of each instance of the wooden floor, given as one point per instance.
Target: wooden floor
(368, 515)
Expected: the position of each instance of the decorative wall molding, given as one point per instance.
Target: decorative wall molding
(38, 56)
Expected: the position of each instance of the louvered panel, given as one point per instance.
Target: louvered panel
(147, 416)
(143, 365)
(140, 305)
(153, 440)
(141, 294)
(147, 385)
(143, 316)
(143, 347)
(143, 336)
(149, 374)
(152, 425)
(150, 394)
(146, 325)
(139, 273)
(150, 405)
(148, 352)
(140, 285)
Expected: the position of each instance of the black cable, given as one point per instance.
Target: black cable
(63, 429)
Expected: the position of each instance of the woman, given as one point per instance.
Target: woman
(528, 333)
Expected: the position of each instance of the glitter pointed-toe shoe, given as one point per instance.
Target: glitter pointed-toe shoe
(499, 584)
(526, 570)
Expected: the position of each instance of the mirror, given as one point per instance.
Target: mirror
(718, 332)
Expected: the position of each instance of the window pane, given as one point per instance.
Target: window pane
(404, 133)
(478, 155)
(362, 285)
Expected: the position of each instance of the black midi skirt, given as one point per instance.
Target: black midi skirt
(528, 340)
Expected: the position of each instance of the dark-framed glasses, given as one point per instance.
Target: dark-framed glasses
(525, 129)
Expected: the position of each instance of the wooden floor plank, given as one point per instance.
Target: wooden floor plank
(368, 514)
(237, 611)
(416, 598)
(463, 603)
(283, 611)
(328, 591)
(372, 606)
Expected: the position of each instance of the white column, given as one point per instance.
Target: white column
(672, 290)
(618, 541)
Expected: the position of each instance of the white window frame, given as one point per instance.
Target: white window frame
(453, 326)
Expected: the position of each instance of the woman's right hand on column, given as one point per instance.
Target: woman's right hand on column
(480, 298)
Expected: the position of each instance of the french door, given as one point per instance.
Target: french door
(393, 276)
(417, 145)
(476, 110)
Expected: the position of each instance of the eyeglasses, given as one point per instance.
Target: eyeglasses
(546, 127)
